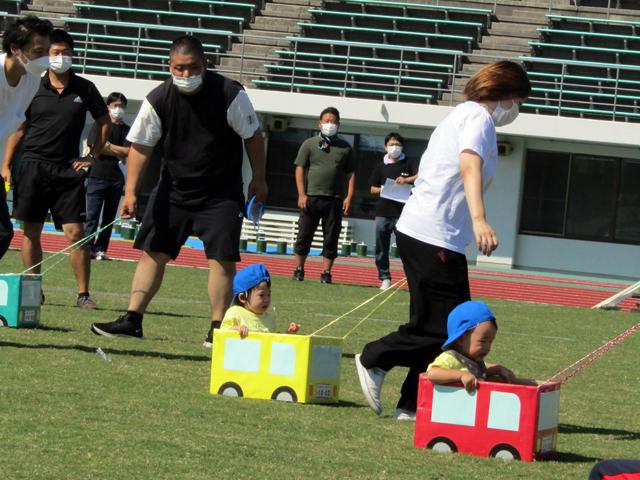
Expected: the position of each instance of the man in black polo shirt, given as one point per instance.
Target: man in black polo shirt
(201, 120)
(51, 175)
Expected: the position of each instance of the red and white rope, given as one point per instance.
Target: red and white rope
(573, 369)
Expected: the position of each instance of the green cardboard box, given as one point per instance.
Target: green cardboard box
(20, 298)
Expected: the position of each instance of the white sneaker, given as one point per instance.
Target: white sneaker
(404, 415)
(386, 283)
(371, 383)
(102, 256)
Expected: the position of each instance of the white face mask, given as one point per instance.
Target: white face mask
(35, 67)
(187, 84)
(502, 117)
(394, 151)
(116, 113)
(329, 129)
(60, 63)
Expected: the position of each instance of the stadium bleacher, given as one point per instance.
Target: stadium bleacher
(378, 49)
(615, 4)
(582, 62)
(130, 37)
(11, 7)
(594, 68)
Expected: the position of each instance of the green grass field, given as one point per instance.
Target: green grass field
(67, 414)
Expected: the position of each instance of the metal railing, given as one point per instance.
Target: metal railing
(351, 69)
(610, 6)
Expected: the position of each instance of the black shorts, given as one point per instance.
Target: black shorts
(43, 186)
(327, 209)
(166, 227)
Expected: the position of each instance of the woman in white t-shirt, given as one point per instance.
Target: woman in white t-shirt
(445, 213)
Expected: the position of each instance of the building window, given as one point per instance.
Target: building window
(283, 149)
(545, 192)
(581, 196)
(628, 214)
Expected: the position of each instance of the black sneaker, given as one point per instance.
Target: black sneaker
(298, 274)
(122, 327)
(325, 277)
(208, 342)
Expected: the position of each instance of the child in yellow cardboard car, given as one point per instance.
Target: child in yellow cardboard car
(251, 301)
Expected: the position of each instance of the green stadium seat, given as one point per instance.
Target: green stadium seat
(423, 39)
(176, 19)
(149, 53)
(393, 21)
(242, 9)
(413, 9)
(338, 59)
(614, 4)
(580, 111)
(582, 49)
(592, 20)
(11, 7)
(356, 90)
(354, 73)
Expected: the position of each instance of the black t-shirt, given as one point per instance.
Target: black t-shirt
(106, 166)
(404, 168)
(202, 153)
(55, 121)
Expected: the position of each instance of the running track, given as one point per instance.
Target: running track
(504, 285)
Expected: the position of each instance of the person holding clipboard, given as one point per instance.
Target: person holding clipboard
(396, 169)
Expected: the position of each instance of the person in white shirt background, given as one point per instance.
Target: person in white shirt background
(24, 59)
(445, 213)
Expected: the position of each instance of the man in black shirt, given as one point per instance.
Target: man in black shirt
(396, 167)
(105, 182)
(201, 120)
(50, 174)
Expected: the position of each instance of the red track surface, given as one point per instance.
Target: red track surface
(360, 271)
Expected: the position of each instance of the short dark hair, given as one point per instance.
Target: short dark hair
(115, 96)
(394, 136)
(20, 32)
(187, 44)
(332, 111)
(60, 36)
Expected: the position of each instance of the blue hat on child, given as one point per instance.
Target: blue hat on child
(465, 317)
(250, 277)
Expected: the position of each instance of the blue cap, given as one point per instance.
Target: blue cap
(255, 210)
(465, 317)
(250, 277)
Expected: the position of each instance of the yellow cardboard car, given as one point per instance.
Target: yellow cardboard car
(285, 367)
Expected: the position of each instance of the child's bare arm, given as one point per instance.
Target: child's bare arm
(502, 372)
(441, 375)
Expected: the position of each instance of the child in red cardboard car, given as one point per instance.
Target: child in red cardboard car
(472, 328)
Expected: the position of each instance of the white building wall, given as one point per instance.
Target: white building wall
(595, 258)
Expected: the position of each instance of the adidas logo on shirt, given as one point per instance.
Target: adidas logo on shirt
(77, 99)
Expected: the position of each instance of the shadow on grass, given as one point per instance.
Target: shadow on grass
(619, 434)
(122, 311)
(92, 350)
(567, 457)
(345, 404)
(47, 328)
(348, 355)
